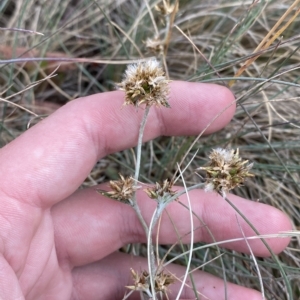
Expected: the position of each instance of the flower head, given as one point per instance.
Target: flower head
(122, 190)
(155, 45)
(163, 281)
(142, 282)
(145, 83)
(161, 192)
(225, 171)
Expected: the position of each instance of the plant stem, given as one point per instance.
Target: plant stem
(137, 169)
(139, 145)
(196, 186)
(150, 250)
(192, 237)
(137, 210)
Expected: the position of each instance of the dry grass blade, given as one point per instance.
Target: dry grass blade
(267, 41)
(22, 30)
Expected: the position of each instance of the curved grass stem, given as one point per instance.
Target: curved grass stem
(150, 249)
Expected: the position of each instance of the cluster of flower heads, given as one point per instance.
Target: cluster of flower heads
(142, 282)
(124, 188)
(145, 83)
(225, 171)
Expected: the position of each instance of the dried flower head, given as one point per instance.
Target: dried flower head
(145, 83)
(163, 281)
(142, 282)
(161, 191)
(122, 190)
(225, 171)
(155, 45)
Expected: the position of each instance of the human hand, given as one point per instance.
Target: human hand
(58, 242)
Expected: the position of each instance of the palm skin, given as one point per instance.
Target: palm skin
(58, 242)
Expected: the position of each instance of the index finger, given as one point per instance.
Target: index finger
(49, 161)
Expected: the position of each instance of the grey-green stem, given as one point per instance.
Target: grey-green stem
(137, 169)
(150, 250)
(139, 145)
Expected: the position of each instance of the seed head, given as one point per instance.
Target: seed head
(122, 190)
(142, 282)
(163, 281)
(225, 171)
(145, 83)
(161, 191)
(155, 45)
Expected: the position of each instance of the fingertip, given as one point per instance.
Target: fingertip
(217, 101)
(268, 221)
(278, 222)
(227, 224)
